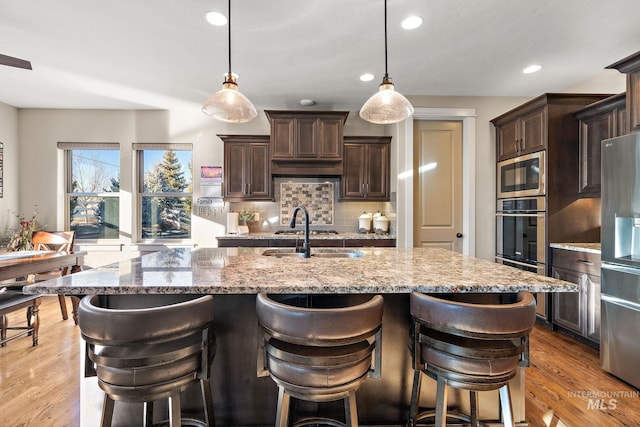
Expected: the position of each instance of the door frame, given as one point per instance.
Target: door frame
(405, 173)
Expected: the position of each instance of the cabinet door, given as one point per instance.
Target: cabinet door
(568, 307)
(592, 131)
(259, 176)
(234, 170)
(305, 141)
(533, 132)
(283, 138)
(354, 170)
(621, 122)
(592, 302)
(508, 140)
(330, 138)
(376, 171)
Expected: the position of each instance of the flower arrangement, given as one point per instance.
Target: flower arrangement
(21, 238)
(246, 216)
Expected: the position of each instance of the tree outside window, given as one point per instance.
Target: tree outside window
(166, 200)
(94, 193)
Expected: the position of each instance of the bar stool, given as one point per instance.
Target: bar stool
(469, 346)
(319, 354)
(149, 348)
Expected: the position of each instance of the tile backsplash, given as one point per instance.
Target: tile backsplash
(320, 197)
(317, 198)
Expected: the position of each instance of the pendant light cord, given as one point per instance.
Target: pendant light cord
(386, 74)
(229, 30)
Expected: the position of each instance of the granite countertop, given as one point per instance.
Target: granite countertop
(331, 236)
(247, 271)
(593, 248)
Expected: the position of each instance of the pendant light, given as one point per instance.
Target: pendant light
(228, 104)
(387, 105)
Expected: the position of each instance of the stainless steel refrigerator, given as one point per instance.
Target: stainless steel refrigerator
(620, 239)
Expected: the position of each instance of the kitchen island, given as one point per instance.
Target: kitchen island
(235, 275)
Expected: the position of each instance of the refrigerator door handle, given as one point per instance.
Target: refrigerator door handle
(620, 302)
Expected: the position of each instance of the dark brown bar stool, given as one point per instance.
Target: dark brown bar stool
(469, 346)
(320, 353)
(147, 347)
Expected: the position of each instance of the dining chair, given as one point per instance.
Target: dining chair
(59, 241)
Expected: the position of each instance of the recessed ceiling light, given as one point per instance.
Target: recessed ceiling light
(532, 69)
(307, 102)
(367, 77)
(411, 23)
(216, 18)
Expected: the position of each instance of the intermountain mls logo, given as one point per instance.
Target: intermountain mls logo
(603, 400)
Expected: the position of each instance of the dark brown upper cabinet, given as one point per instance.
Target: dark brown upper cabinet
(246, 173)
(306, 142)
(598, 121)
(530, 127)
(631, 67)
(523, 133)
(366, 174)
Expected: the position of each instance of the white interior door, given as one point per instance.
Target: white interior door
(438, 209)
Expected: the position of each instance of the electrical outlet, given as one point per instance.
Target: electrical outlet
(256, 216)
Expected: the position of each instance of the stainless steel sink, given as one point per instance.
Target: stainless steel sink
(318, 253)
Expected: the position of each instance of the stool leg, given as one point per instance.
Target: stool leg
(107, 411)
(415, 398)
(148, 414)
(441, 403)
(505, 402)
(282, 416)
(174, 409)
(4, 324)
(351, 409)
(473, 403)
(207, 399)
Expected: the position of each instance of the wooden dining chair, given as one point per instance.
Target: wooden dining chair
(60, 241)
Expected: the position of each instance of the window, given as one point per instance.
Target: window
(165, 190)
(93, 190)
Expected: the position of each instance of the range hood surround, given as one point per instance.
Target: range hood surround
(303, 169)
(306, 143)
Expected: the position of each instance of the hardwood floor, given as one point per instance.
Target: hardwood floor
(39, 386)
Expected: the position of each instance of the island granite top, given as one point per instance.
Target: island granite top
(247, 271)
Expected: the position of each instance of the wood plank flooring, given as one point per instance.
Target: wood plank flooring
(39, 386)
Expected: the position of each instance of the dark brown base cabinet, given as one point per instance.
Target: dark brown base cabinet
(247, 168)
(366, 172)
(240, 242)
(577, 312)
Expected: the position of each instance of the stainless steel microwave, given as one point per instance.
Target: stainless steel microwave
(522, 176)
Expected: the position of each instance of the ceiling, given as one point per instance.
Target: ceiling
(162, 54)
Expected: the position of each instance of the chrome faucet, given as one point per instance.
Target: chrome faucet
(306, 249)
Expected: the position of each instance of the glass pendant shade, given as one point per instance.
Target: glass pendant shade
(229, 105)
(386, 106)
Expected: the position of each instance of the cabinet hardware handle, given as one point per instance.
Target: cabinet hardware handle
(585, 262)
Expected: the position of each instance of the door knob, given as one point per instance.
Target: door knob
(458, 235)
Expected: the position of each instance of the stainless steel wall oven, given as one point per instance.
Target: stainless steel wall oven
(521, 238)
(520, 233)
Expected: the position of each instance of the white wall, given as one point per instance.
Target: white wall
(9, 139)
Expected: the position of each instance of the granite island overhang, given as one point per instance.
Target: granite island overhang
(247, 271)
(235, 275)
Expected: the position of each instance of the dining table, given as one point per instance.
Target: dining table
(23, 263)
